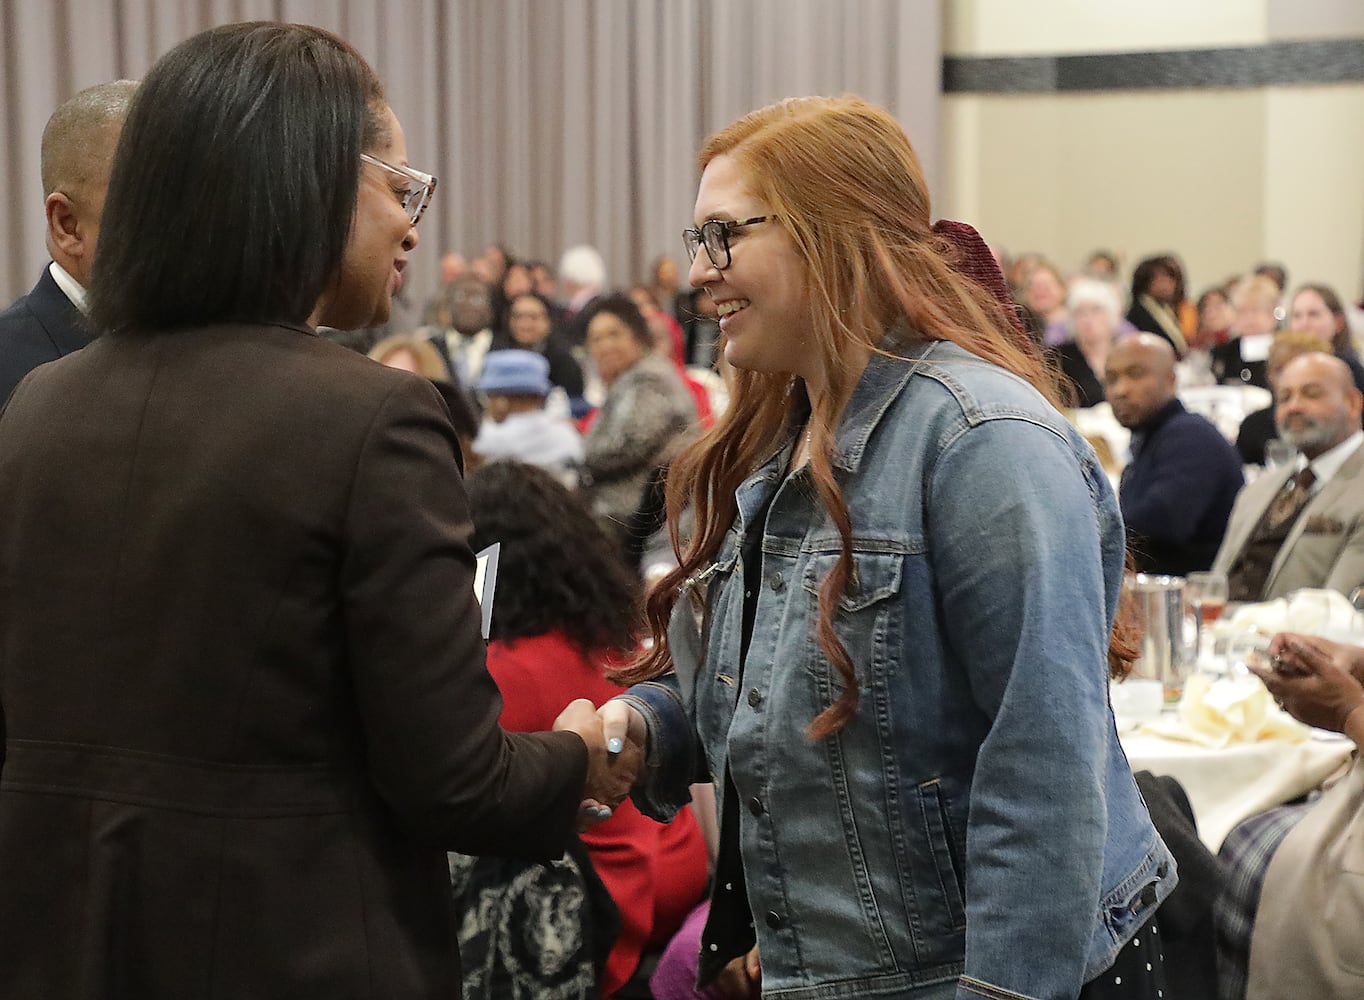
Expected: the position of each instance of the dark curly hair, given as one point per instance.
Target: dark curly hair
(558, 570)
(624, 309)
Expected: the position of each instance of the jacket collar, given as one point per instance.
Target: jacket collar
(881, 382)
(889, 370)
(64, 324)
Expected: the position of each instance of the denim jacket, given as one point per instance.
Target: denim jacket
(975, 830)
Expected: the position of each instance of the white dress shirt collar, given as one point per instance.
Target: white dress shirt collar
(70, 287)
(1328, 463)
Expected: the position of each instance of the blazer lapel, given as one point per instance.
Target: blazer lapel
(1341, 483)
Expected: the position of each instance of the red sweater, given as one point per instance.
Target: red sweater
(655, 872)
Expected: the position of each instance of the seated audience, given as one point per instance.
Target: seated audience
(1303, 525)
(411, 353)
(1318, 309)
(701, 330)
(1177, 491)
(544, 282)
(1045, 294)
(516, 426)
(1103, 265)
(565, 612)
(582, 276)
(1258, 429)
(1157, 294)
(667, 289)
(1276, 273)
(1019, 271)
(1294, 869)
(668, 342)
(1241, 360)
(465, 334)
(1095, 313)
(646, 407)
(516, 281)
(663, 328)
(530, 326)
(437, 309)
(1215, 318)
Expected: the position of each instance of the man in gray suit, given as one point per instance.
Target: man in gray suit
(1303, 525)
(77, 152)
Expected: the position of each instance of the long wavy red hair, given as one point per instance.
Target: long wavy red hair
(841, 177)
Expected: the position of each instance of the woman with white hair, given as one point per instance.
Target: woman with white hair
(1095, 314)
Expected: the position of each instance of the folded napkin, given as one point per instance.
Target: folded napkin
(1311, 611)
(1218, 713)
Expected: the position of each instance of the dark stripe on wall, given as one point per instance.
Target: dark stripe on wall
(1334, 61)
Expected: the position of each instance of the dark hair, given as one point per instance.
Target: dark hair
(558, 570)
(505, 327)
(1146, 272)
(234, 186)
(620, 306)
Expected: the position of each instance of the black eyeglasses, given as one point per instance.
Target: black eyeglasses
(714, 233)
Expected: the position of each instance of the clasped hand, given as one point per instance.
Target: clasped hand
(615, 736)
(1316, 680)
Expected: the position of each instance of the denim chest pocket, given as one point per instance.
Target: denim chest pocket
(867, 621)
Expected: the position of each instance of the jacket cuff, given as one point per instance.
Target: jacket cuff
(671, 759)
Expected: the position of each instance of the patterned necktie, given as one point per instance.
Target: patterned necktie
(1290, 500)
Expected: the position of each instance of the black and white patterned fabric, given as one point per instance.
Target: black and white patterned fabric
(531, 931)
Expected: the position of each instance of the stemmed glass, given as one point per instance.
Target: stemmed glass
(1206, 595)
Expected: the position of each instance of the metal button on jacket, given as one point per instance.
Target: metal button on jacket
(755, 697)
(777, 582)
(774, 920)
(755, 806)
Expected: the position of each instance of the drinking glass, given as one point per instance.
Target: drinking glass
(1206, 595)
(1246, 649)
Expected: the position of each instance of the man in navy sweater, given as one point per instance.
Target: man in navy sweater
(1178, 490)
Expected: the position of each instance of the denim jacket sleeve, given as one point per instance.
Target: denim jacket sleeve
(1022, 593)
(674, 758)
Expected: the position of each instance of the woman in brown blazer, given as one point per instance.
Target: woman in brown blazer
(241, 670)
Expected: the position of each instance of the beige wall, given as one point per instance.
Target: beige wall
(1051, 27)
(1224, 177)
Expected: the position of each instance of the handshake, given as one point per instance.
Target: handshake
(616, 740)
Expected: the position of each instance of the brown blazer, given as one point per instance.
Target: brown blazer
(243, 681)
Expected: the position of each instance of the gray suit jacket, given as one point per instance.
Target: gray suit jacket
(1325, 547)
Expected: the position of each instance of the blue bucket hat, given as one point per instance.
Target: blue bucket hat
(514, 373)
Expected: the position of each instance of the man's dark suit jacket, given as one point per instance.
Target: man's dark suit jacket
(1178, 491)
(243, 678)
(41, 326)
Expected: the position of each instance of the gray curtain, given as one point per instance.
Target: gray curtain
(549, 122)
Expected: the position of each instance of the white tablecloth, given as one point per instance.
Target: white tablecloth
(1227, 785)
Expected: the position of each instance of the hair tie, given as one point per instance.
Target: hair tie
(973, 260)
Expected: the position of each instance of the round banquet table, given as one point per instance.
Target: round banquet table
(1227, 784)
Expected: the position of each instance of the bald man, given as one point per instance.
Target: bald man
(77, 152)
(1303, 525)
(1177, 491)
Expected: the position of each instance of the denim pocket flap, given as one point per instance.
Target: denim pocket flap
(875, 576)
